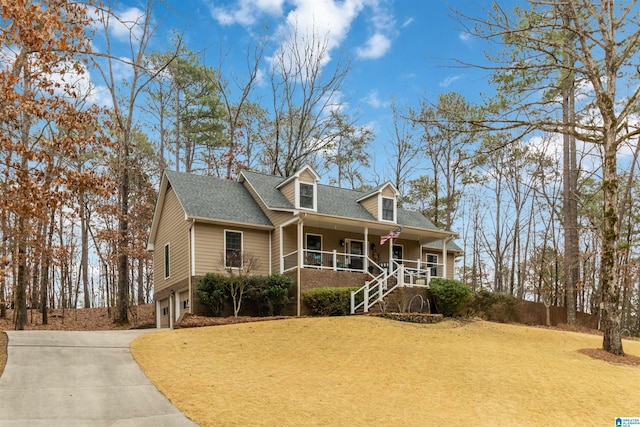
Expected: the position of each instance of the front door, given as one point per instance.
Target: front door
(356, 247)
(397, 253)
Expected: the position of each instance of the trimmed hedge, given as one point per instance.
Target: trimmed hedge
(449, 295)
(329, 301)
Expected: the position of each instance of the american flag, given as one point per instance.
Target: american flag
(393, 235)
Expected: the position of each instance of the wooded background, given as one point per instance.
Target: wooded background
(538, 178)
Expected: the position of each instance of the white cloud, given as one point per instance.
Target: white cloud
(246, 12)
(329, 18)
(465, 38)
(407, 22)
(374, 100)
(123, 23)
(376, 47)
(449, 80)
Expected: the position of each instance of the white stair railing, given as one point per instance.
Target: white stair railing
(377, 289)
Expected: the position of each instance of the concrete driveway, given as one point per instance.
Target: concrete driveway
(60, 378)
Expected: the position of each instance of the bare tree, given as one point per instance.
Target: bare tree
(304, 93)
(124, 100)
(602, 52)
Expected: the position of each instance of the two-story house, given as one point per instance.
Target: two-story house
(320, 235)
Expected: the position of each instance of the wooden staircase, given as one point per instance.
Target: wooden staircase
(381, 286)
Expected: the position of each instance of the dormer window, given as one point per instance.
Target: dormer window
(388, 209)
(306, 196)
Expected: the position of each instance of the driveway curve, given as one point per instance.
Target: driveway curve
(80, 378)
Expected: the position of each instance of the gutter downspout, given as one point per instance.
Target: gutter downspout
(192, 261)
(444, 256)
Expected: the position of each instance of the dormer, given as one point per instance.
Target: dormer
(382, 203)
(301, 189)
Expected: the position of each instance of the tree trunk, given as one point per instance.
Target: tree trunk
(612, 341)
(570, 181)
(3, 266)
(123, 244)
(84, 260)
(21, 286)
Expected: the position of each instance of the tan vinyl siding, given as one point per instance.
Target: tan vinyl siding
(164, 313)
(451, 259)
(307, 177)
(174, 230)
(371, 205)
(388, 192)
(289, 191)
(410, 249)
(209, 248)
(276, 219)
(290, 242)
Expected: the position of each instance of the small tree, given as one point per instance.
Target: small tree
(239, 265)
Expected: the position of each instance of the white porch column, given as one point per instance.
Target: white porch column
(366, 249)
(444, 258)
(300, 261)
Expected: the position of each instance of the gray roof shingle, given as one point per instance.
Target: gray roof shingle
(331, 200)
(215, 198)
(265, 186)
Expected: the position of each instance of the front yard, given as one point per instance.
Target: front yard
(361, 371)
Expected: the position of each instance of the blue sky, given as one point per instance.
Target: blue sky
(401, 50)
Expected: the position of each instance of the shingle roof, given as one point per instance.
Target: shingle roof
(331, 200)
(414, 219)
(451, 246)
(214, 198)
(265, 186)
(341, 202)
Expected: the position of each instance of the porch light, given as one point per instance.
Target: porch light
(341, 242)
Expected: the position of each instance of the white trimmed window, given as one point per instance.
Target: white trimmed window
(306, 196)
(232, 249)
(432, 264)
(167, 262)
(388, 209)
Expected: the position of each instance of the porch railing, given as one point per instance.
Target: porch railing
(406, 272)
(328, 260)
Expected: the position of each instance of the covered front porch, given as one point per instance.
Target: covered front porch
(315, 252)
(342, 245)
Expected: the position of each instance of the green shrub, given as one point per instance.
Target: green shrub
(212, 292)
(269, 294)
(276, 292)
(449, 295)
(328, 301)
(494, 306)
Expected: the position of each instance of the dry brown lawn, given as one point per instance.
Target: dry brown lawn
(362, 371)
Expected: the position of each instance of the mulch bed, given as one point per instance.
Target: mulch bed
(600, 354)
(194, 321)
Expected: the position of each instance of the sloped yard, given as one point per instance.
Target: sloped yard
(362, 371)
